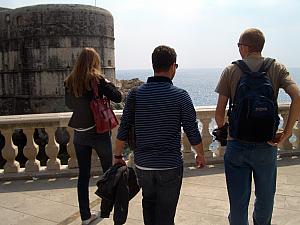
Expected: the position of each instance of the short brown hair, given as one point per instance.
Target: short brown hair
(162, 58)
(253, 38)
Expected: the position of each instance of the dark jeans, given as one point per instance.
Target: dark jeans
(242, 161)
(84, 142)
(160, 189)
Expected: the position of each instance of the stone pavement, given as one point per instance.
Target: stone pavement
(203, 199)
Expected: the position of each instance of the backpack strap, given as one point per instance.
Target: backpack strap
(264, 69)
(243, 66)
(246, 70)
(266, 64)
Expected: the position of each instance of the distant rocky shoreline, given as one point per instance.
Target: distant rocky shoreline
(125, 86)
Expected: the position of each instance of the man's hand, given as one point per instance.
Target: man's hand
(280, 138)
(118, 153)
(119, 161)
(200, 161)
(200, 158)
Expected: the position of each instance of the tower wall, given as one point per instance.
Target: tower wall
(38, 48)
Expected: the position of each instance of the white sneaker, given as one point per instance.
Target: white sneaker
(91, 219)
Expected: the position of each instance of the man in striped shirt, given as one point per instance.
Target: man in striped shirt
(160, 111)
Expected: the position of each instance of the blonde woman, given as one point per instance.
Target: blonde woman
(78, 86)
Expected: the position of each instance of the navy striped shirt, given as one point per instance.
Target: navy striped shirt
(160, 111)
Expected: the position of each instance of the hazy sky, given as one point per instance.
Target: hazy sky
(204, 33)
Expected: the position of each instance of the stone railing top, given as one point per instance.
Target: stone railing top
(35, 120)
(62, 119)
(283, 107)
(209, 111)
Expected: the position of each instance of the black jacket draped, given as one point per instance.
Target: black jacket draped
(117, 186)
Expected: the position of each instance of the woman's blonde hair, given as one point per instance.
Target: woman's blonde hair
(87, 67)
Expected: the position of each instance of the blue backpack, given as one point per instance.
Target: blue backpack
(253, 113)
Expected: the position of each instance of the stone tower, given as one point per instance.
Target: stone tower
(38, 48)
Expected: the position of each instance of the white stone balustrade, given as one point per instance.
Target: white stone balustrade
(289, 148)
(287, 145)
(205, 115)
(52, 150)
(9, 153)
(297, 135)
(30, 151)
(52, 121)
(72, 162)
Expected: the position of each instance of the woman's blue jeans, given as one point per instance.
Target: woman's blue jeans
(242, 161)
(84, 142)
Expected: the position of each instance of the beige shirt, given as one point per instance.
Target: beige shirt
(230, 77)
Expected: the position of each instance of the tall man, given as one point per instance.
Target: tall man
(258, 159)
(160, 111)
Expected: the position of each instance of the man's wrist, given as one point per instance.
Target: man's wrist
(118, 156)
(199, 155)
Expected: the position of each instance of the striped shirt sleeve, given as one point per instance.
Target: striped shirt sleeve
(189, 120)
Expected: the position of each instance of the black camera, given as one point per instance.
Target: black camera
(221, 133)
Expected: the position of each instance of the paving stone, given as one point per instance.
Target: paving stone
(203, 200)
(13, 217)
(42, 208)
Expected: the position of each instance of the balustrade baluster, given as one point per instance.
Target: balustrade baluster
(72, 161)
(30, 151)
(188, 155)
(52, 150)
(287, 145)
(206, 137)
(114, 133)
(296, 132)
(9, 153)
(220, 151)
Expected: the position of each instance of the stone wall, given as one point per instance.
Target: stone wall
(38, 48)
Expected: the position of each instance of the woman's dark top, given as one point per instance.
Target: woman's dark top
(82, 116)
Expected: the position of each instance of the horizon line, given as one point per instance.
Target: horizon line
(193, 68)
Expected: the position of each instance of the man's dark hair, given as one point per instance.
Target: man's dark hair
(254, 39)
(162, 58)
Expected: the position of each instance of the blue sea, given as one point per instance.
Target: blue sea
(200, 83)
